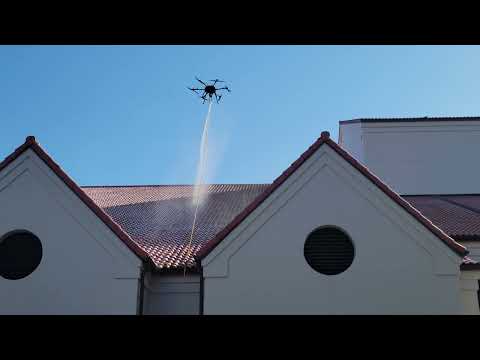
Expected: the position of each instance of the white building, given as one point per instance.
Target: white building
(387, 221)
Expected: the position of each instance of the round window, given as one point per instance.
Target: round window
(20, 254)
(329, 250)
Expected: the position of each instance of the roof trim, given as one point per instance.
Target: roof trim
(31, 143)
(325, 139)
(409, 120)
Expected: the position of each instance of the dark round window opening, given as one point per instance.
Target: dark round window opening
(329, 250)
(20, 254)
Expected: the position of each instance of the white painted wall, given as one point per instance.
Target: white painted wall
(419, 157)
(85, 268)
(399, 268)
(171, 294)
(469, 291)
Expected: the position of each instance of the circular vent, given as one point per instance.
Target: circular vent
(329, 250)
(20, 254)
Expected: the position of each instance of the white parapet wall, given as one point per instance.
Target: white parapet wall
(418, 156)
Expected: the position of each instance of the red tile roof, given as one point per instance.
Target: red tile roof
(159, 218)
(457, 215)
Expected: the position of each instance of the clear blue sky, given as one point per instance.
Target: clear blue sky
(123, 115)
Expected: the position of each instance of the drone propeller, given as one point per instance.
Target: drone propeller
(200, 81)
(216, 80)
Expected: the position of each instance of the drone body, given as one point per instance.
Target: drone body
(209, 90)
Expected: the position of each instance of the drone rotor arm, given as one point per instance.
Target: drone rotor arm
(200, 81)
(195, 90)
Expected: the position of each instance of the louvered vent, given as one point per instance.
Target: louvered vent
(329, 250)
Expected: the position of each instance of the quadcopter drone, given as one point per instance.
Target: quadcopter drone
(209, 90)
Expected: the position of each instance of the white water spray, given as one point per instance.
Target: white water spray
(199, 189)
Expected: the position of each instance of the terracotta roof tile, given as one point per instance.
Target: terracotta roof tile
(159, 218)
(457, 215)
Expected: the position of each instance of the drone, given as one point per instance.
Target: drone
(209, 90)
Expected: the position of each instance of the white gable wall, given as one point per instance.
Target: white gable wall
(85, 268)
(400, 267)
